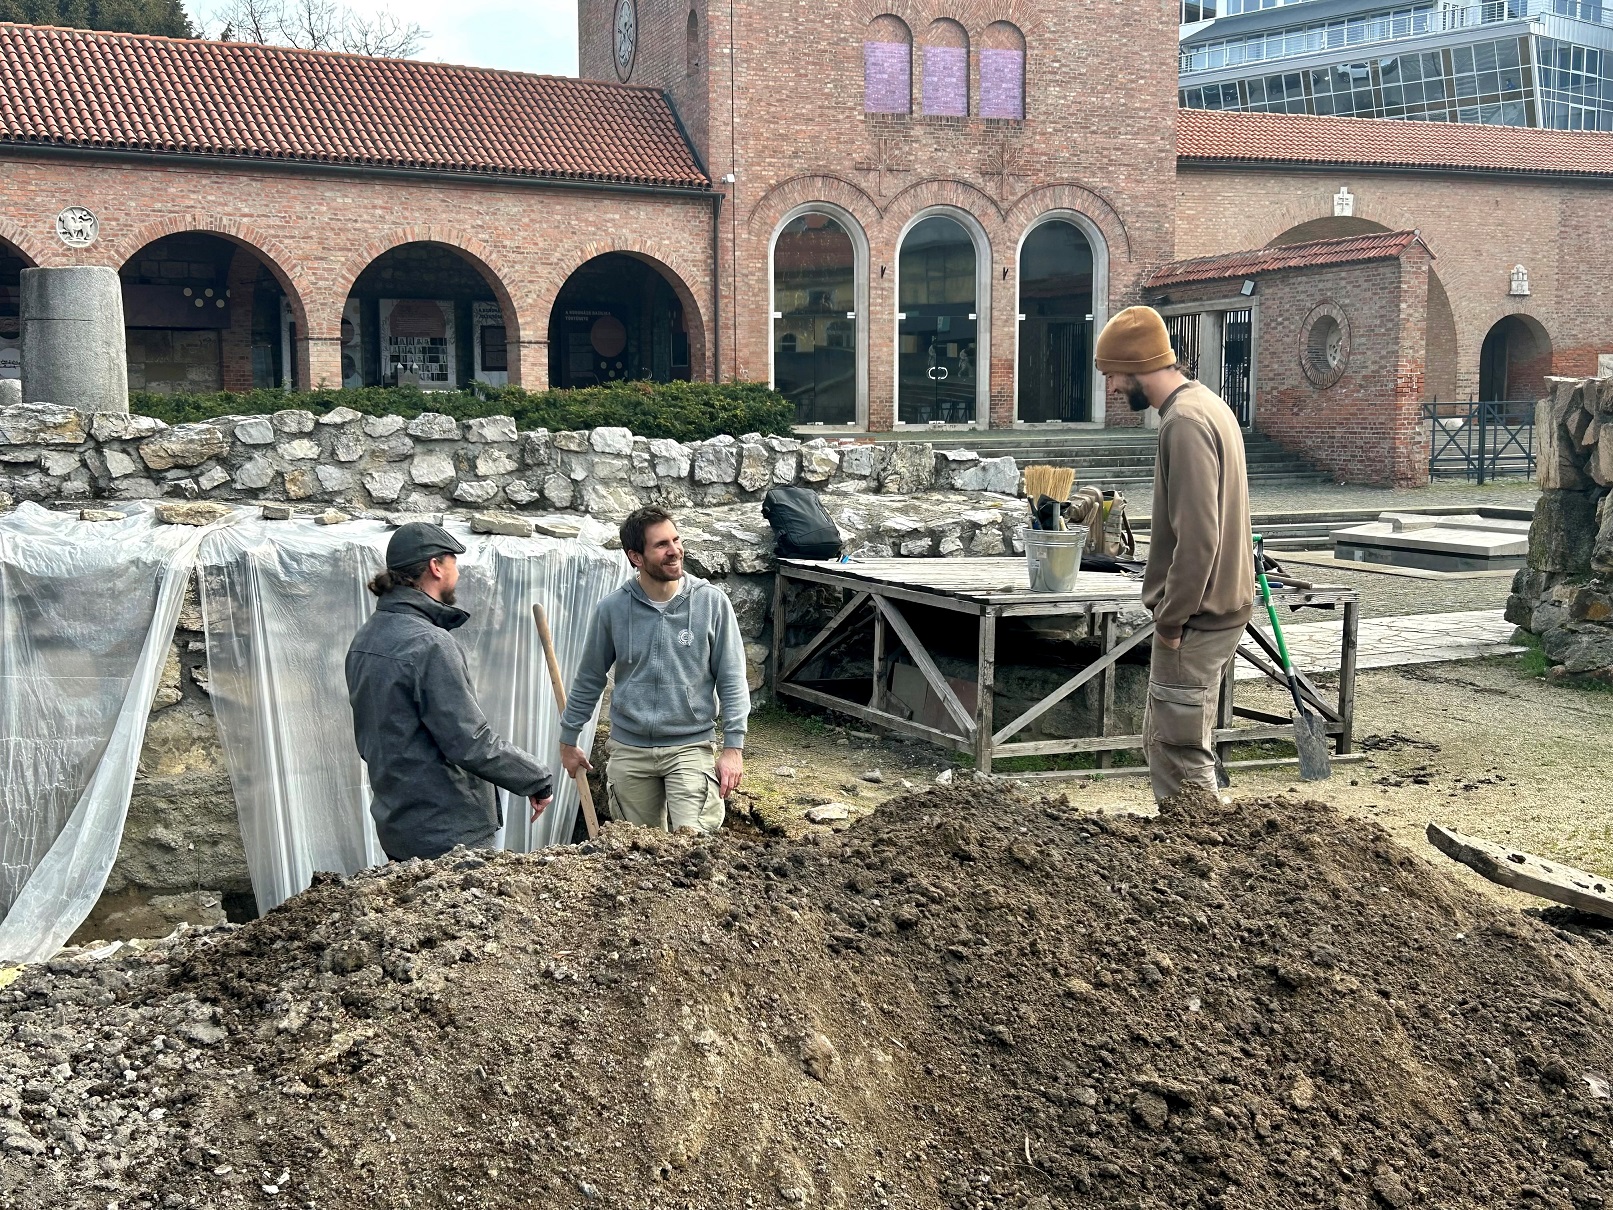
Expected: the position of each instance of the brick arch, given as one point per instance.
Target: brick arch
(960, 195)
(1071, 196)
(664, 260)
(802, 190)
(973, 15)
(37, 251)
(275, 256)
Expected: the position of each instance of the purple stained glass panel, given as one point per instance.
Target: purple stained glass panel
(887, 77)
(1002, 84)
(946, 81)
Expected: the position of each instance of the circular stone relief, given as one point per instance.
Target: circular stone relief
(77, 227)
(1324, 344)
(608, 336)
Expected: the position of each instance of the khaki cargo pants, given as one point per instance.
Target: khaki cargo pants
(1184, 686)
(666, 788)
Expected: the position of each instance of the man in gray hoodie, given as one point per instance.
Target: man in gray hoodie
(674, 644)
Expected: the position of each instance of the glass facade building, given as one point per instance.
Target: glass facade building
(1546, 63)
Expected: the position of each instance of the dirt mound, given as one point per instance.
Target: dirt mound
(970, 999)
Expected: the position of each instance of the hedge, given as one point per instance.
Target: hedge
(683, 411)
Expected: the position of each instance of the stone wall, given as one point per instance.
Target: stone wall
(1565, 594)
(433, 462)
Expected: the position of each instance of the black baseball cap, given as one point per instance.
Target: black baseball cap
(418, 541)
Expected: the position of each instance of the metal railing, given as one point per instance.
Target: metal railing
(1481, 441)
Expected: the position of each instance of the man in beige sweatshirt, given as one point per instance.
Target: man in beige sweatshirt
(1200, 579)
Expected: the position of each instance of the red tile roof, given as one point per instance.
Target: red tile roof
(1382, 245)
(73, 88)
(1209, 135)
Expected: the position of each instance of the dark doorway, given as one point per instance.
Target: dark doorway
(1055, 331)
(1514, 361)
(12, 263)
(815, 320)
(616, 320)
(937, 356)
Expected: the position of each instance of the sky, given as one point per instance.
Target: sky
(522, 35)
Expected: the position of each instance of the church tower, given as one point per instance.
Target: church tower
(928, 212)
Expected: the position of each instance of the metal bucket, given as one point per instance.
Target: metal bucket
(1053, 557)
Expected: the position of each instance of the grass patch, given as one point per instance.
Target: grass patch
(1534, 662)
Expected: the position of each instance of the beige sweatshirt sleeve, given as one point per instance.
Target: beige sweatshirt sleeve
(1194, 461)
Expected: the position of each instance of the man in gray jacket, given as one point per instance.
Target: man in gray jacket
(430, 750)
(674, 644)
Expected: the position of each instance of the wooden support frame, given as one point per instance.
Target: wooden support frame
(992, 590)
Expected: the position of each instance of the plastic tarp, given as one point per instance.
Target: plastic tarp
(282, 600)
(87, 613)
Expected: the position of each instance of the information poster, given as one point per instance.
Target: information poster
(417, 343)
(353, 344)
(489, 342)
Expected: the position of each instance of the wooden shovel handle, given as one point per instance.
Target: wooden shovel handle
(583, 792)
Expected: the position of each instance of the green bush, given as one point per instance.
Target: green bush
(683, 411)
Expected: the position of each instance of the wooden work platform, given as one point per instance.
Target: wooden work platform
(993, 589)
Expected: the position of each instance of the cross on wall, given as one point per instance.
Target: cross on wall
(886, 155)
(1004, 165)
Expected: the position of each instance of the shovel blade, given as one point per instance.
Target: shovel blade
(1310, 738)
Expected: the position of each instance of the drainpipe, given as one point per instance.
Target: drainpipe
(716, 286)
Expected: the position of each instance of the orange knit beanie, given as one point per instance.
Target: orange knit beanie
(1134, 342)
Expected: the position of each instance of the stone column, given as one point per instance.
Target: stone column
(73, 344)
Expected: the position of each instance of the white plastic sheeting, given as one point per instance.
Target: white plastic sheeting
(282, 600)
(87, 612)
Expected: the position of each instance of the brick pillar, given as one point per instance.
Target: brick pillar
(529, 364)
(235, 342)
(319, 362)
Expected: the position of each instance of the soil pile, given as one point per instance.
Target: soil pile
(972, 999)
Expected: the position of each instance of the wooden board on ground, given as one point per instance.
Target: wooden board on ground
(1527, 873)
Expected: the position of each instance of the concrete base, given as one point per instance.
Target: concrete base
(1460, 543)
(73, 345)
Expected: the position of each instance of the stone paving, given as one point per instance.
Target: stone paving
(1424, 638)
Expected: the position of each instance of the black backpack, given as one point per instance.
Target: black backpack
(801, 525)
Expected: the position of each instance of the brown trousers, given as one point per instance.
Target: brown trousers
(1183, 688)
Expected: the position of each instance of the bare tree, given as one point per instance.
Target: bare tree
(317, 25)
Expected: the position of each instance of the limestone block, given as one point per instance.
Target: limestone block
(76, 485)
(395, 448)
(136, 489)
(909, 469)
(537, 448)
(254, 430)
(254, 475)
(522, 492)
(340, 415)
(756, 659)
(501, 523)
(1579, 646)
(432, 470)
(612, 441)
(1559, 461)
(715, 495)
(101, 514)
(59, 463)
(951, 464)
(384, 487)
(331, 516)
(293, 420)
(191, 512)
(382, 426)
(752, 600)
(125, 426)
(1601, 460)
(755, 466)
(786, 468)
(641, 468)
(41, 424)
(72, 334)
(1602, 551)
(18, 454)
(492, 461)
(916, 547)
(475, 491)
(818, 461)
(434, 426)
(213, 476)
(951, 546)
(860, 461)
(424, 506)
(301, 483)
(999, 475)
(572, 441)
(556, 527)
(348, 447)
(671, 459)
(609, 466)
(1591, 602)
(11, 392)
(609, 501)
(1604, 397)
(278, 512)
(1563, 532)
(168, 693)
(986, 541)
(490, 428)
(333, 478)
(184, 445)
(558, 491)
(716, 461)
(300, 450)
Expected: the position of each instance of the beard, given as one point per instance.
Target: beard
(663, 572)
(1136, 397)
(447, 596)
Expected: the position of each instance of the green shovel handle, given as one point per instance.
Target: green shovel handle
(1271, 606)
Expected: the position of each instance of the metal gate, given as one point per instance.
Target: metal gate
(1481, 441)
(1184, 331)
(1237, 348)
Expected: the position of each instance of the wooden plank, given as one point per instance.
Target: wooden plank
(1070, 686)
(1258, 716)
(780, 629)
(876, 700)
(1225, 710)
(1527, 873)
(1106, 680)
(926, 665)
(1348, 649)
(855, 584)
(1308, 691)
(1268, 762)
(821, 639)
(1057, 747)
(985, 689)
(956, 743)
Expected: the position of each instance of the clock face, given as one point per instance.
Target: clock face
(625, 34)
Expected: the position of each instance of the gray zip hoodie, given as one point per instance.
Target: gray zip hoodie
(673, 665)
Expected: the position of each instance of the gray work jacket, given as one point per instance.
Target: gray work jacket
(430, 750)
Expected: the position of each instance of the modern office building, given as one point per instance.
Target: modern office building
(1545, 63)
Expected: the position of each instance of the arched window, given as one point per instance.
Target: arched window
(1055, 324)
(691, 45)
(888, 66)
(815, 319)
(937, 355)
(1002, 72)
(946, 70)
